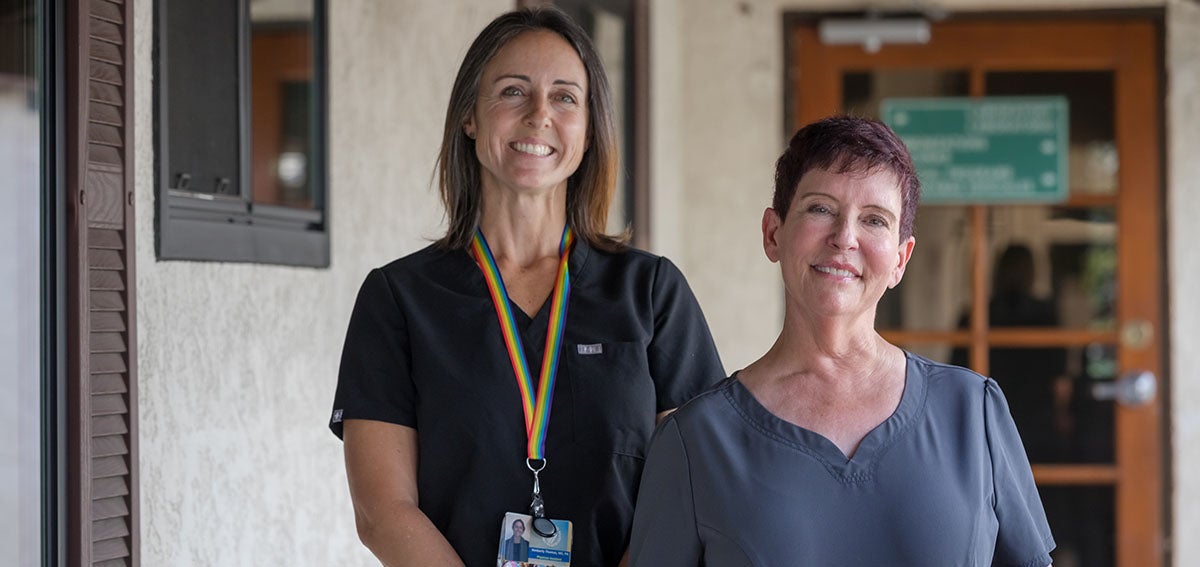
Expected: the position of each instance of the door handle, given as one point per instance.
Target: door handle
(1132, 389)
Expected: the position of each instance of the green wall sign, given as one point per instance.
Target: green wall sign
(985, 150)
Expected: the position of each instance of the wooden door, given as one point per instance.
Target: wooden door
(1057, 302)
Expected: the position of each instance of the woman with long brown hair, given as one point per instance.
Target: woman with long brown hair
(516, 366)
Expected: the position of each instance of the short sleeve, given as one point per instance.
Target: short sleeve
(682, 356)
(1023, 538)
(664, 521)
(373, 380)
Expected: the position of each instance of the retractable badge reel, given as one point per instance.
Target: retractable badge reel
(541, 525)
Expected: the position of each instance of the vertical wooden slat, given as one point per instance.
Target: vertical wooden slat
(980, 290)
(1139, 450)
(102, 355)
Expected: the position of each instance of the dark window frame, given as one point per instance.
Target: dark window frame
(53, 308)
(194, 225)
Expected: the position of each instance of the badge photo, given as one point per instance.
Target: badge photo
(521, 546)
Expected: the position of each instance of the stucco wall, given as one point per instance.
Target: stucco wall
(731, 127)
(237, 363)
(1183, 205)
(666, 136)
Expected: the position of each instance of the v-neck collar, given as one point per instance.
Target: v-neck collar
(871, 449)
(470, 279)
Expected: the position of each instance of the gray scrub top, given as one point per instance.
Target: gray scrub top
(943, 481)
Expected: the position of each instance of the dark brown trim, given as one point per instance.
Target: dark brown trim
(102, 479)
(1075, 475)
(78, 492)
(641, 158)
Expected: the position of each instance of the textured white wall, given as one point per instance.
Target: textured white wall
(237, 363)
(1183, 206)
(666, 136)
(731, 132)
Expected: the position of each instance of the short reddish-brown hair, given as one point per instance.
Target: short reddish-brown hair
(845, 144)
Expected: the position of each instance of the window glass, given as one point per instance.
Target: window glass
(281, 102)
(241, 130)
(201, 88)
(20, 236)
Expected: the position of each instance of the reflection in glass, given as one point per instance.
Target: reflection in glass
(1073, 258)
(281, 102)
(20, 345)
(1092, 159)
(1053, 267)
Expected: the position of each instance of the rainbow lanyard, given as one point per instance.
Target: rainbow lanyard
(536, 405)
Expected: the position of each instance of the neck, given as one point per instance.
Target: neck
(843, 354)
(523, 228)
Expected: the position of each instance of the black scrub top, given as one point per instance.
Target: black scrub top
(942, 482)
(424, 350)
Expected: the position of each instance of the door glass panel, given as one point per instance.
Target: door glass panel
(1082, 521)
(936, 289)
(1053, 266)
(863, 91)
(1049, 392)
(1092, 158)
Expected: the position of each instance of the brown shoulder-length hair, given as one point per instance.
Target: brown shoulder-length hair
(845, 144)
(589, 189)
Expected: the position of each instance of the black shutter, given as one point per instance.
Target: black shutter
(102, 394)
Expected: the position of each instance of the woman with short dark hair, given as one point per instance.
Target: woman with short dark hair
(837, 447)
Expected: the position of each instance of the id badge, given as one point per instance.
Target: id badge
(521, 546)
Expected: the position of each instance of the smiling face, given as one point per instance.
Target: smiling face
(839, 247)
(530, 123)
(518, 529)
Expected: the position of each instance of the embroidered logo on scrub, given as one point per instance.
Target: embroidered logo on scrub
(337, 416)
(590, 349)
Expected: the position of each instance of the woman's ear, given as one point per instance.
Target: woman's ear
(770, 226)
(469, 127)
(903, 255)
